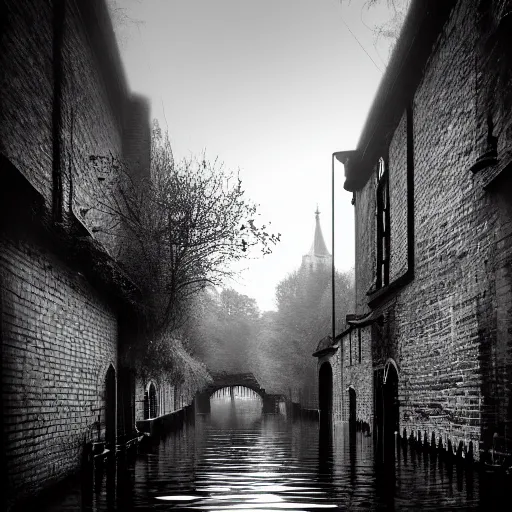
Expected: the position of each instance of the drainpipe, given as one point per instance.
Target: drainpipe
(333, 269)
(342, 157)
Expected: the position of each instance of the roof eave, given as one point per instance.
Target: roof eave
(422, 26)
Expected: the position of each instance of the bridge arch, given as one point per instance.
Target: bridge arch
(213, 390)
(229, 380)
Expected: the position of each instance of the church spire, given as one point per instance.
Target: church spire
(318, 256)
(318, 248)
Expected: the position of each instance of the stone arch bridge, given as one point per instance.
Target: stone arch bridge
(231, 380)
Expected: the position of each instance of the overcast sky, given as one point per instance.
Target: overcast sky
(272, 87)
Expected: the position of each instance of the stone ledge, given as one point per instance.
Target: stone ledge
(153, 425)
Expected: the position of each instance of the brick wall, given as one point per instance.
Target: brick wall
(59, 334)
(358, 374)
(58, 339)
(366, 254)
(448, 330)
(435, 327)
(398, 198)
(99, 116)
(165, 392)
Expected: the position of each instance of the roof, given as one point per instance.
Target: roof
(318, 247)
(422, 26)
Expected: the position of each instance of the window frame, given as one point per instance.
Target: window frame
(383, 224)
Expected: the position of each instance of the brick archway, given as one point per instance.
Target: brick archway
(226, 380)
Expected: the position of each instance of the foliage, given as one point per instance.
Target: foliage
(304, 316)
(227, 332)
(185, 225)
(177, 228)
(390, 29)
(387, 29)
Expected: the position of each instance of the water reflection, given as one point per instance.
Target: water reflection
(235, 458)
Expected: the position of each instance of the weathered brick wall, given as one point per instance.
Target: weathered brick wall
(99, 116)
(58, 334)
(27, 95)
(58, 339)
(92, 119)
(358, 375)
(27, 91)
(435, 323)
(449, 330)
(366, 255)
(398, 199)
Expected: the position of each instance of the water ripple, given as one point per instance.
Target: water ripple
(236, 459)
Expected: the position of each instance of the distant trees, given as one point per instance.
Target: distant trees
(228, 333)
(304, 316)
(222, 330)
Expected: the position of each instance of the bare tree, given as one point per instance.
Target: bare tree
(387, 30)
(182, 229)
(390, 29)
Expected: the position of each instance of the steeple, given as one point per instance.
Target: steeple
(318, 248)
(318, 254)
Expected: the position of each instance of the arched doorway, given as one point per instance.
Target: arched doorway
(325, 394)
(110, 408)
(150, 402)
(153, 405)
(390, 406)
(352, 409)
(386, 410)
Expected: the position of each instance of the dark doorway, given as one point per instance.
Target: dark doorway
(110, 408)
(386, 411)
(325, 395)
(126, 405)
(352, 409)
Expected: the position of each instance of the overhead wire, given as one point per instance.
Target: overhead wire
(359, 43)
(357, 40)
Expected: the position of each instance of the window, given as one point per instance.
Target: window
(383, 227)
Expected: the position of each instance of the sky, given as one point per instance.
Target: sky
(270, 87)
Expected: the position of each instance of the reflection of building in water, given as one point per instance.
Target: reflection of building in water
(318, 255)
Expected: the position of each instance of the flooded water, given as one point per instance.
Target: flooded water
(237, 459)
